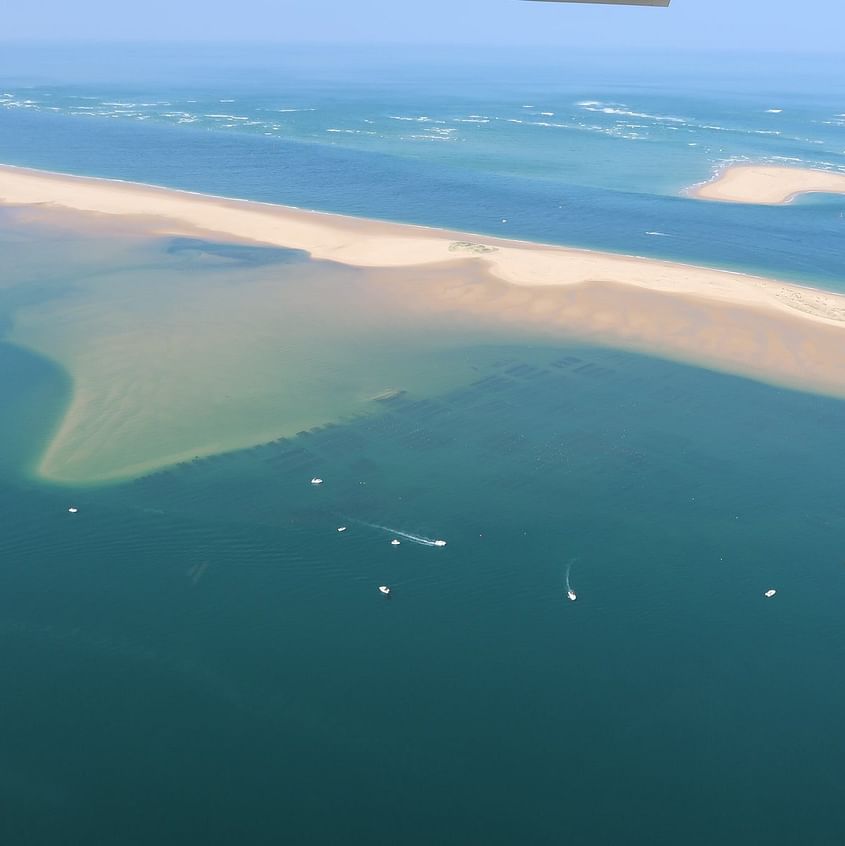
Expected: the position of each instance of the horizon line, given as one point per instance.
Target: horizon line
(64, 42)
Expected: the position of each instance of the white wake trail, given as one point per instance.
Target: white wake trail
(569, 592)
(423, 541)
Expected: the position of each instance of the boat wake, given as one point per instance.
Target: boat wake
(420, 539)
(569, 592)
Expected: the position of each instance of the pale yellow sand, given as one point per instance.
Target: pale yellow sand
(369, 243)
(768, 185)
(152, 388)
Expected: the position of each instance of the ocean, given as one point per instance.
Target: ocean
(577, 149)
(198, 655)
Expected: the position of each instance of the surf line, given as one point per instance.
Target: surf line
(423, 541)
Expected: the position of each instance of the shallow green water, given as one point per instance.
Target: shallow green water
(178, 347)
(200, 657)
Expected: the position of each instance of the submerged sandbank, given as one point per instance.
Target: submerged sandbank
(164, 372)
(768, 185)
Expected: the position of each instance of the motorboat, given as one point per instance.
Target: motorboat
(571, 594)
(384, 589)
(316, 481)
(395, 542)
(770, 593)
(72, 510)
(440, 543)
(341, 528)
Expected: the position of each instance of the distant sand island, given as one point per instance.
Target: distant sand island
(768, 185)
(762, 328)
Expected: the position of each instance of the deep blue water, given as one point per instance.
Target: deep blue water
(200, 657)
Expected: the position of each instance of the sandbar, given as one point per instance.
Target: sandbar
(768, 185)
(377, 244)
(158, 386)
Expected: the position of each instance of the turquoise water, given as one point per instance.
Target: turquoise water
(198, 656)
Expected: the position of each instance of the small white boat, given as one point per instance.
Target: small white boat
(571, 594)
(341, 528)
(440, 543)
(72, 510)
(395, 542)
(316, 481)
(770, 593)
(384, 589)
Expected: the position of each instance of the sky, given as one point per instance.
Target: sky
(808, 26)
